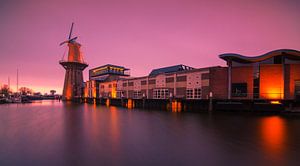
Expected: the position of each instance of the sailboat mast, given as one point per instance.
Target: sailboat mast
(17, 80)
(8, 83)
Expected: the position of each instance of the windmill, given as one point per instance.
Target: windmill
(73, 85)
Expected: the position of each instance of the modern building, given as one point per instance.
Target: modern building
(272, 76)
(106, 75)
(179, 81)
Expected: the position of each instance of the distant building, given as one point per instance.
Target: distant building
(274, 75)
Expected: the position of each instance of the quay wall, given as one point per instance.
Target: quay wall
(184, 105)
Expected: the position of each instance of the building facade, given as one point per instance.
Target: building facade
(178, 81)
(272, 76)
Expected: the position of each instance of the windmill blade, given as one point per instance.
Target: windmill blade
(74, 38)
(71, 31)
(67, 41)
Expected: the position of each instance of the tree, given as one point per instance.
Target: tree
(5, 90)
(52, 92)
(25, 91)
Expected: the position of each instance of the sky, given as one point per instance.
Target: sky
(138, 34)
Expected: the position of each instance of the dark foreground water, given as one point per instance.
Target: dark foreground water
(53, 133)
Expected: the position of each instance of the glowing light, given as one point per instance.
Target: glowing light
(114, 91)
(130, 104)
(275, 102)
(176, 106)
(271, 82)
(107, 102)
(273, 135)
(69, 94)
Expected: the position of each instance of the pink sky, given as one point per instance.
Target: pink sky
(138, 34)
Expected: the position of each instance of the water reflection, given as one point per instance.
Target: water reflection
(54, 133)
(273, 134)
(114, 131)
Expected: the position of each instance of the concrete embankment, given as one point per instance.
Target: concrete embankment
(178, 105)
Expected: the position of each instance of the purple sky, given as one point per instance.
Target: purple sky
(138, 34)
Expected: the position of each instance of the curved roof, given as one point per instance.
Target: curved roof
(288, 53)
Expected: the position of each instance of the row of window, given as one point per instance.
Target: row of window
(165, 94)
(193, 93)
(161, 93)
(168, 80)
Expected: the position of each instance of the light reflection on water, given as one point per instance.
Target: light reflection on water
(56, 133)
(273, 132)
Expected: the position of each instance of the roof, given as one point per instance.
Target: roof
(169, 69)
(110, 65)
(288, 53)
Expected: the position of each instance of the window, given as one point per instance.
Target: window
(130, 83)
(152, 81)
(120, 94)
(189, 93)
(239, 90)
(169, 79)
(161, 93)
(197, 93)
(137, 94)
(180, 78)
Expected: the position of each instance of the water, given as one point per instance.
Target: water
(53, 133)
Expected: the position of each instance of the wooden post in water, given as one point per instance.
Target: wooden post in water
(170, 102)
(144, 100)
(210, 108)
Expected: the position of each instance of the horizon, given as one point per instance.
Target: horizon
(139, 35)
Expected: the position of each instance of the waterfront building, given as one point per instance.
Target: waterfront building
(179, 81)
(107, 75)
(272, 76)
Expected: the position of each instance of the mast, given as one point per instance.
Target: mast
(8, 83)
(17, 80)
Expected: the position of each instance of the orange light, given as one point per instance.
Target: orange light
(68, 92)
(176, 106)
(114, 92)
(271, 82)
(273, 135)
(107, 102)
(275, 102)
(130, 103)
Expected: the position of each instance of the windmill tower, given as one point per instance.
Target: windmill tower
(74, 65)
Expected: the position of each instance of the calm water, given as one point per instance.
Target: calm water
(53, 133)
